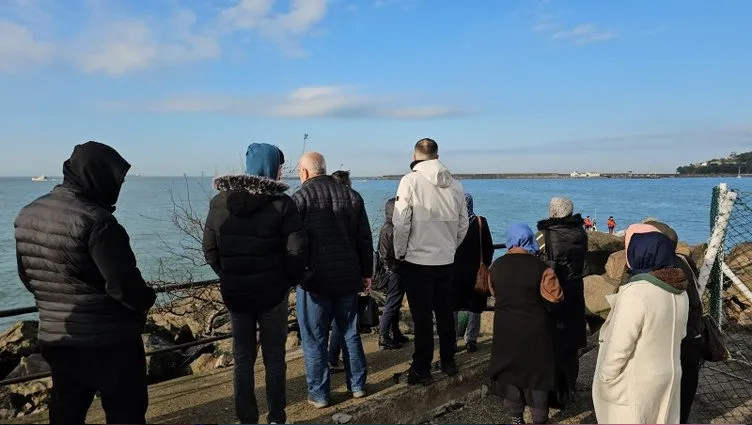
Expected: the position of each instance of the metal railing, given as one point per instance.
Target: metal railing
(159, 289)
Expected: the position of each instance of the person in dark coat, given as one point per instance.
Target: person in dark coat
(692, 344)
(77, 261)
(466, 264)
(563, 243)
(522, 355)
(341, 250)
(390, 336)
(255, 242)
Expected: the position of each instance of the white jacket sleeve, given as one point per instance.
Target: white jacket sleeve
(464, 223)
(402, 219)
(627, 318)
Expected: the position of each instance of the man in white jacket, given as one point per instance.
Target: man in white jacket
(430, 221)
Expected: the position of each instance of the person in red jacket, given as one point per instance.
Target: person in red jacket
(611, 225)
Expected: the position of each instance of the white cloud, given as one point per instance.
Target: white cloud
(115, 44)
(304, 102)
(129, 46)
(283, 28)
(19, 48)
(585, 33)
(132, 45)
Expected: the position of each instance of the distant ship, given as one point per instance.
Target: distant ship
(41, 178)
(739, 173)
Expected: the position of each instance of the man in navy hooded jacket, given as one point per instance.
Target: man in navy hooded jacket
(255, 241)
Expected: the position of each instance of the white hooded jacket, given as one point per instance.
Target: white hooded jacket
(430, 215)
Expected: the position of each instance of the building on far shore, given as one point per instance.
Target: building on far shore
(575, 174)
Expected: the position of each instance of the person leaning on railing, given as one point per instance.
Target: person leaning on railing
(76, 259)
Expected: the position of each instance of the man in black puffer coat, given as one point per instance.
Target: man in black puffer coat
(342, 259)
(563, 243)
(255, 242)
(76, 259)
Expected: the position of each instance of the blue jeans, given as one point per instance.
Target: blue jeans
(273, 335)
(315, 313)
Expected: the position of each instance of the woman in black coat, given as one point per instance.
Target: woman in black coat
(522, 354)
(563, 243)
(466, 263)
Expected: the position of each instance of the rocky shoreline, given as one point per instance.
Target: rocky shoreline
(191, 318)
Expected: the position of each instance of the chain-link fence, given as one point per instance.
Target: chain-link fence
(724, 393)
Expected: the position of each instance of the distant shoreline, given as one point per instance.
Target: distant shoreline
(481, 176)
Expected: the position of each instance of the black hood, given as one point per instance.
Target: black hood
(389, 210)
(245, 193)
(570, 221)
(96, 171)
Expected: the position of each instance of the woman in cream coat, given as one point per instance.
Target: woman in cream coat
(638, 374)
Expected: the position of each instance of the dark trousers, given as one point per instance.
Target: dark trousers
(429, 289)
(515, 399)
(117, 372)
(690, 363)
(390, 316)
(272, 326)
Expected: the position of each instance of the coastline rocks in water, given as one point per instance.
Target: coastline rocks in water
(739, 261)
(697, 254)
(616, 266)
(293, 340)
(17, 341)
(600, 247)
(26, 398)
(30, 365)
(203, 363)
(163, 366)
(596, 289)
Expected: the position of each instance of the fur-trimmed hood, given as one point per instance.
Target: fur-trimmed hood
(244, 194)
(254, 185)
(569, 221)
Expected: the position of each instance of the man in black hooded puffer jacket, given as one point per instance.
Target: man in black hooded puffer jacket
(255, 241)
(76, 259)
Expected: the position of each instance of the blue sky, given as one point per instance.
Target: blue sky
(503, 86)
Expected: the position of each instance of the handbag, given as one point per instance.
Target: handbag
(483, 285)
(382, 275)
(368, 312)
(713, 348)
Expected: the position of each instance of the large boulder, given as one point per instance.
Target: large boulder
(616, 266)
(17, 341)
(600, 247)
(597, 287)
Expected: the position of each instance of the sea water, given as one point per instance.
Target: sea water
(146, 207)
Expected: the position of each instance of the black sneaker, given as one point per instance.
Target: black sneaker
(516, 420)
(450, 368)
(387, 343)
(398, 337)
(415, 378)
(471, 347)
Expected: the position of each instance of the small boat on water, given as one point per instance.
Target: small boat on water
(41, 178)
(739, 173)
